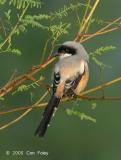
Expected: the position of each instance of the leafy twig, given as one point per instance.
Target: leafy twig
(38, 104)
(15, 27)
(82, 28)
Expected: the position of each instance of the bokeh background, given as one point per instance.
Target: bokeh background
(68, 137)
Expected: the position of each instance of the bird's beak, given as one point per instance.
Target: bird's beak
(54, 54)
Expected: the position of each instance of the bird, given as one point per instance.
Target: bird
(70, 77)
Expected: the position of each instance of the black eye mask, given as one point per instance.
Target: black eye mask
(67, 49)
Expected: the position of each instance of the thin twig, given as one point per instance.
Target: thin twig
(91, 98)
(44, 50)
(23, 108)
(23, 114)
(84, 17)
(104, 30)
(82, 95)
(15, 27)
(17, 81)
(101, 86)
(82, 28)
(15, 120)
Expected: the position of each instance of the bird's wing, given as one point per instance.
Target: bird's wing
(71, 84)
(56, 81)
(83, 81)
(68, 86)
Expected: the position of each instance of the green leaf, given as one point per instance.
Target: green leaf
(94, 105)
(2, 2)
(59, 29)
(19, 4)
(2, 98)
(63, 12)
(82, 116)
(7, 14)
(102, 50)
(99, 52)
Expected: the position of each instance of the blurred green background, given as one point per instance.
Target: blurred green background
(68, 137)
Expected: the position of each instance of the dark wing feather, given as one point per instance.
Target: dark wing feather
(71, 84)
(56, 81)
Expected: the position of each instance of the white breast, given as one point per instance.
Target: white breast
(69, 68)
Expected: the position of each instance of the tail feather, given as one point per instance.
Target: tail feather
(48, 112)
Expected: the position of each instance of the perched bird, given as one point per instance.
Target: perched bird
(71, 75)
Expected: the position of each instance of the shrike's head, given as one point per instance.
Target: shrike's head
(72, 48)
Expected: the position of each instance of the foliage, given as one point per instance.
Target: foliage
(11, 22)
(17, 19)
(1, 98)
(23, 3)
(18, 16)
(64, 12)
(99, 52)
(24, 87)
(81, 115)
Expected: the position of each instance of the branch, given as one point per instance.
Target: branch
(15, 27)
(15, 120)
(91, 98)
(101, 86)
(103, 30)
(82, 27)
(11, 85)
(82, 96)
(34, 70)
(42, 105)
(23, 114)
(27, 76)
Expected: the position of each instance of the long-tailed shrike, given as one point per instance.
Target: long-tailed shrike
(71, 75)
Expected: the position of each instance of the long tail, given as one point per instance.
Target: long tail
(48, 112)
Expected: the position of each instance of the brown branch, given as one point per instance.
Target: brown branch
(15, 27)
(15, 120)
(42, 105)
(90, 98)
(82, 27)
(17, 81)
(103, 30)
(101, 86)
(82, 96)
(23, 114)
(100, 33)
(29, 75)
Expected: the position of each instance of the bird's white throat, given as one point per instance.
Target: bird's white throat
(65, 55)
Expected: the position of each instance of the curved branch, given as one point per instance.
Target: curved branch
(103, 30)
(15, 120)
(34, 70)
(82, 96)
(82, 27)
(23, 114)
(27, 76)
(15, 27)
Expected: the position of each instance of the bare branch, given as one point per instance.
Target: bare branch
(38, 104)
(19, 80)
(15, 120)
(82, 27)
